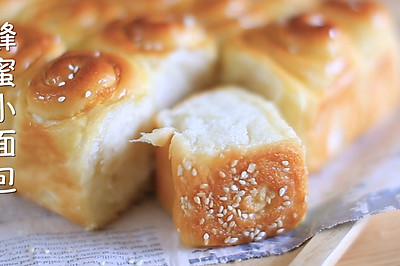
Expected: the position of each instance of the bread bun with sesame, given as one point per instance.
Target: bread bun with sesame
(332, 72)
(74, 123)
(177, 51)
(229, 169)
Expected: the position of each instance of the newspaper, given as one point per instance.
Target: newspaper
(365, 180)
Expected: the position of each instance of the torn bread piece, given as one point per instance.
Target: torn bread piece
(229, 169)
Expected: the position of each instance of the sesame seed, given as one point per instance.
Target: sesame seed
(202, 221)
(242, 182)
(285, 163)
(230, 217)
(280, 230)
(253, 181)
(203, 186)
(222, 174)
(252, 215)
(88, 93)
(71, 67)
(246, 233)
(194, 172)
(71, 76)
(211, 204)
(232, 224)
(214, 231)
(62, 83)
(234, 163)
(220, 215)
(223, 198)
(287, 203)
(241, 193)
(206, 236)
(262, 234)
(235, 205)
(233, 240)
(225, 225)
(233, 170)
(225, 211)
(239, 212)
(279, 223)
(220, 221)
(286, 169)
(76, 68)
(61, 99)
(244, 175)
(197, 200)
(179, 170)
(294, 215)
(282, 191)
(226, 189)
(221, 208)
(251, 168)
(230, 207)
(258, 238)
(201, 194)
(207, 201)
(226, 240)
(211, 211)
(245, 215)
(234, 187)
(187, 164)
(286, 197)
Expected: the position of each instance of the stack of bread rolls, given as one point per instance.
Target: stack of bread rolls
(306, 78)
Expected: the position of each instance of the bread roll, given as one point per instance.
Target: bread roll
(33, 49)
(314, 69)
(176, 49)
(225, 18)
(229, 169)
(72, 19)
(74, 123)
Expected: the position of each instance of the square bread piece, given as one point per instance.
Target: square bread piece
(332, 73)
(74, 123)
(229, 170)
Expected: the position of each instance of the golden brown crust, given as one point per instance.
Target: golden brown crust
(239, 197)
(154, 34)
(78, 81)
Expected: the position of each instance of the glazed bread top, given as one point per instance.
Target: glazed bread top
(76, 82)
(152, 34)
(310, 47)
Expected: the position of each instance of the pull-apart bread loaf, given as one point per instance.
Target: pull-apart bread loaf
(175, 49)
(332, 72)
(74, 123)
(229, 169)
(84, 107)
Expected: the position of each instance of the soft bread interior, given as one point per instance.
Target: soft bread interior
(208, 124)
